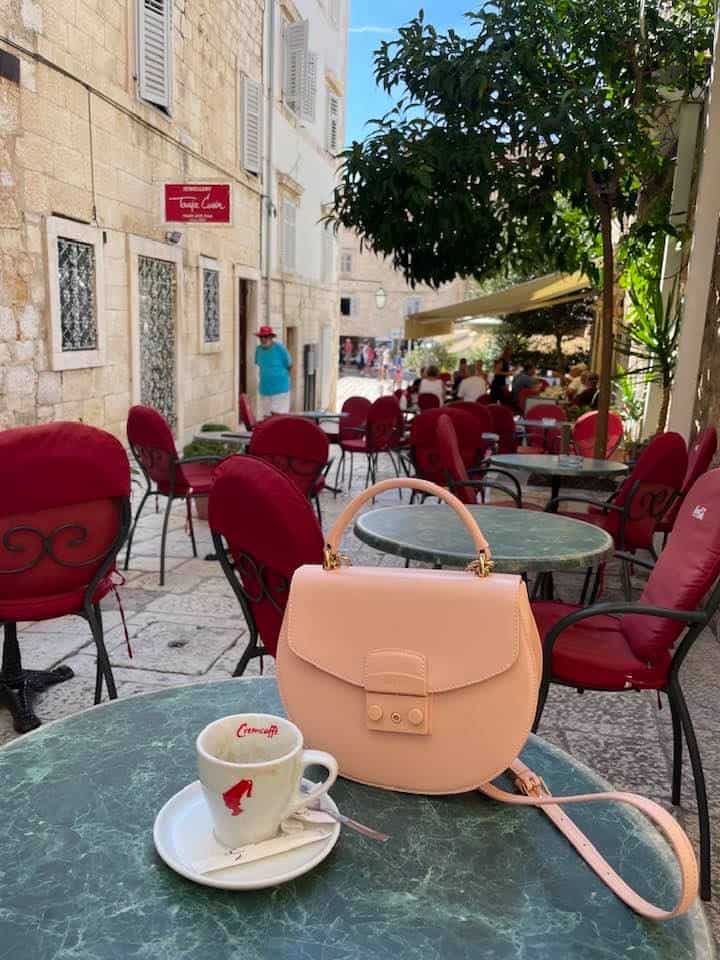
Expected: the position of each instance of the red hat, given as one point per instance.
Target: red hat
(266, 332)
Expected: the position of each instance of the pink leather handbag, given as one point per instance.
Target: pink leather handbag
(428, 681)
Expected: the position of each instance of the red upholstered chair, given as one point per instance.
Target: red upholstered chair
(523, 397)
(424, 446)
(352, 427)
(699, 459)
(246, 412)
(624, 646)
(298, 448)
(503, 424)
(485, 400)
(631, 515)
(166, 474)
(263, 529)
(457, 478)
(427, 401)
(383, 426)
(585, 429)
(541, 439)
(64, 515)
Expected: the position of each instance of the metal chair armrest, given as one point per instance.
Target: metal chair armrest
(578, 498)
(183, 462)
(486, 485)
(620, 555)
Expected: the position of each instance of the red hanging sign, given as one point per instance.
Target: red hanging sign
(198, 203)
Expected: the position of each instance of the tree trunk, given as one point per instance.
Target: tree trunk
(664, 406)
(603, 197)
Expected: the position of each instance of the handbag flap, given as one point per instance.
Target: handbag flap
(466, 628)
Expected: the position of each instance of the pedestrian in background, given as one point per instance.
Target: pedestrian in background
(274, 363)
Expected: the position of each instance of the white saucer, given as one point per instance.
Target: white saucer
(183, 835)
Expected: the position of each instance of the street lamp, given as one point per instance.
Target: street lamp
(380, 298)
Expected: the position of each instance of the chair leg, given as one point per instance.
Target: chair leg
(700, 790)
(625, 580)
(677, 749)
(191, 528)
(103, 670)
(316, 498)
(163, 540)
(352, 467)
(586, 584)
(251, 651)
(368, 473)
(340, 474)
(147, 494)
(542, 698)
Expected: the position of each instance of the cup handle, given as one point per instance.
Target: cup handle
(313, 758)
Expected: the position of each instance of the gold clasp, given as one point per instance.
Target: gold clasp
(482, 567)
(531, 785)
(332, 560)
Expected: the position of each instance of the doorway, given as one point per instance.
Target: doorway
(243, 312)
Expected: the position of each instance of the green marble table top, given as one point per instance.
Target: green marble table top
(462, 878)
(554, 465)
(521, 541)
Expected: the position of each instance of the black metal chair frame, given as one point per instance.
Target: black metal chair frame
(696, 621)
(17, 685)
(173, 464)
(293, 466)
(254, 649)
(655, 505)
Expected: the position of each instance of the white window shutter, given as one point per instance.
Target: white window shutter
(335, 12)
(310, 88)
(251, 125)
(296, 56)
(333, 123)
(155, 51)
(288, 235)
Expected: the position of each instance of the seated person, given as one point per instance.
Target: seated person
(431, 383)
(588, 396)
(475, 385)
(525, 380)
(576, 384)
(460, 374)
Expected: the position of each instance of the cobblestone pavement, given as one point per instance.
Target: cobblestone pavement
(192, 631)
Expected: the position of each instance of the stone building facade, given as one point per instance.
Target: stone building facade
(103, 301)
(375, 298)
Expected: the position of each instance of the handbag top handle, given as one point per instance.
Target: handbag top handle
(482, 567)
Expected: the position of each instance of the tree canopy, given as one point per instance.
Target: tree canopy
(525, 141)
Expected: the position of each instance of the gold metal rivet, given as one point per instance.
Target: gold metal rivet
(395, 717)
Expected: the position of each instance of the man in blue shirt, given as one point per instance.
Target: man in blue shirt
(274, 363)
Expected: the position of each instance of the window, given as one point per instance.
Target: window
(154, 43)
(346, 262)
(309, 108)
(209, 304)
(295, 63)
(348, 306)
(288, 235)
(75, 260)
(251, 125)
(412, 306)
(332, 139)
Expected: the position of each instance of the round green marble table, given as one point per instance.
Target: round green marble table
(521, 541)
(557, 468)
(462, 878)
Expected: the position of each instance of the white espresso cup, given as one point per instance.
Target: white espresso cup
(250, 767)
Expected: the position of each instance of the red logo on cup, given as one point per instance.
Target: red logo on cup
(234, 796)
(245, 730)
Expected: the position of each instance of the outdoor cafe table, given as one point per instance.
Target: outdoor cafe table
(462, 877)
(521, 541)
(558, 468)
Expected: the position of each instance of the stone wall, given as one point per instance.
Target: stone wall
(84, 147)
(707, 404)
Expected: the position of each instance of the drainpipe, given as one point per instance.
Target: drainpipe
(270, 163)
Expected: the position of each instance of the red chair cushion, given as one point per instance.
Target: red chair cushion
(54, 605)
(199, 476)
(595, 653)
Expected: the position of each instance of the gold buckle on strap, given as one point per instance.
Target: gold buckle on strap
(531, 785)
(332, 559)
(482, 567)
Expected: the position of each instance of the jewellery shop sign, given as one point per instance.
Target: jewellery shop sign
(208, 203)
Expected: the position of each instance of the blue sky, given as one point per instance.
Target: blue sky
(371, 22)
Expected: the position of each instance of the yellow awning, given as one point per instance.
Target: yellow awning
(535, 294)
(430, 328)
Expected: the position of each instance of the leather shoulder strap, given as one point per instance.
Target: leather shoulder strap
(538, 795)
